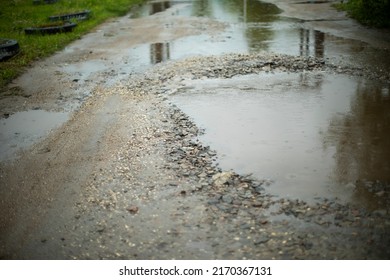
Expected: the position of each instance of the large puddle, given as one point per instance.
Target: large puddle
(311, 134)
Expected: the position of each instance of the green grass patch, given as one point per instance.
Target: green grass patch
(16, 15)
(375, 13)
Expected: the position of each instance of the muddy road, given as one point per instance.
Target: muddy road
(132, 143)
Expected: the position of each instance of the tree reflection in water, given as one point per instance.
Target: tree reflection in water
(159, 52)
(362, 140)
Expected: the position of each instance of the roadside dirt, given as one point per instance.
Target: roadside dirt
(126, 178)
(98, 60)
(46, 192)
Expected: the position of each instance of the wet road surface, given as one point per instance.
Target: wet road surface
(122, 157)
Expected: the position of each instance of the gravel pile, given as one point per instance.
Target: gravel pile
(229, 65)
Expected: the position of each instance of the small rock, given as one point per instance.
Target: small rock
(245, 226)
(215, 200)
(227, 198)
(221, 179)
(257, 204)
(223, 207)
(261, 240)
(380, 194)
(132, 209)
(263, 221)
(380, 213)
(100, 228)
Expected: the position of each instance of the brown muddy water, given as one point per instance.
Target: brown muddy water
(310, 134)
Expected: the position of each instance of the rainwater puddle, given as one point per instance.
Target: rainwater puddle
(22, 129)
(252, 26)
(312, 134)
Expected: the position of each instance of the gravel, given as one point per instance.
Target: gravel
(161, 195)
(279, 228)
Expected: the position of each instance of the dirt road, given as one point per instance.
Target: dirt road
(126, 178)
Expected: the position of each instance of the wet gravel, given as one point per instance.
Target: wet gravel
(281, 228)
(161, 194)
(256, 225)
(227, 66)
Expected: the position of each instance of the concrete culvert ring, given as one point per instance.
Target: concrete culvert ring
(51, 28)
(8, 48)
(79, 16)
(39, 2)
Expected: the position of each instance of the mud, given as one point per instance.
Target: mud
(128, 176)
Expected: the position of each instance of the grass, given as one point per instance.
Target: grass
(16, 15)
(374, 13)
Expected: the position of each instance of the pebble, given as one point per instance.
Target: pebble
(132, 209)
(227, 199)
(261, 240)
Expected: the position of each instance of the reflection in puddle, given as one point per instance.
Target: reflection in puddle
(314, 135)
(158, 7)
(254, 26)
(23, 129)
(311, 43)
(159, 52)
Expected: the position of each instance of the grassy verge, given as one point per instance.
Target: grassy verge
(16, 15)
(373, 13)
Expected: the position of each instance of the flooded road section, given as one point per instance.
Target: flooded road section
(170, 30)
(253, 26)
(126, 177)
(310, 134)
